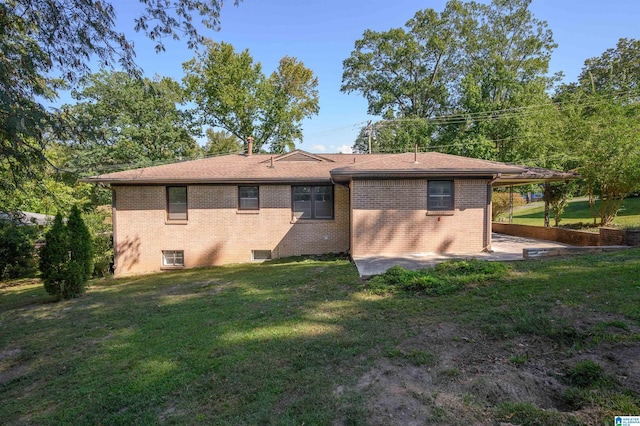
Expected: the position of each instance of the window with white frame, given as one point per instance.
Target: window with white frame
(173, 258)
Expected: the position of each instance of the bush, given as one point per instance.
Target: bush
(16, 249)
(99, 223)
(500, 202)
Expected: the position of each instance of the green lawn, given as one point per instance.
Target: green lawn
(577, 211)
(306, 342)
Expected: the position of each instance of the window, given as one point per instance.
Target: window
(257, 255)
(248, 198)
(312, 202)
(440, 195)
(177, 202)
(172, 258)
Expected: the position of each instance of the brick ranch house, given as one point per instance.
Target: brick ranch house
(242, 208)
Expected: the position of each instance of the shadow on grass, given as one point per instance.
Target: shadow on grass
(252, 344)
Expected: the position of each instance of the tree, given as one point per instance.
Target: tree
(233, 94)
(45, 45)
(505, 61)
(220, 143)
(404, 72)
(601, 114)
(604, 138)
(126, 120)
(395, 136)
(54, 256)
(559, 195)
(80, 265)
(615, 71)
(469, 70)
(66, 259)
(16, 246)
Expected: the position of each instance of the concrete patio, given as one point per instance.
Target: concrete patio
(505, 248)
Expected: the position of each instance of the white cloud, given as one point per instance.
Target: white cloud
(319, 148)
(345, 149)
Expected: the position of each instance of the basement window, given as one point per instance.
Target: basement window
(173, 258)
(259, 255)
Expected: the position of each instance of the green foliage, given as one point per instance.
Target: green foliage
(46, 45)
(602, 129)
(617, 70)
(577, 214)
(80, 250)
(66, 259)
(445, 278)
(395, 136)
(501, 203)
(54, 256)
(559, 195)
(127, 121)
(100, 227)
(233, 94)
(16, 247)
(220, 143)
(404, 73)
(469, 69)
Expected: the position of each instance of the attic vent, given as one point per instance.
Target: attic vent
(259, 255)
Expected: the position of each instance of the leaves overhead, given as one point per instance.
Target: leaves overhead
(46, 45)
(232, 93)
(469, 59)
(126, 121)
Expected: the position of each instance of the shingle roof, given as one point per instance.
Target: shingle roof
(300, 166)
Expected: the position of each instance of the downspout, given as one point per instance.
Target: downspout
(487, 213)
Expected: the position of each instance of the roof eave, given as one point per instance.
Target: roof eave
(350, 174)
(190, 181)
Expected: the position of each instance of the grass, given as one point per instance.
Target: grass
(288, 342)
(578, 212)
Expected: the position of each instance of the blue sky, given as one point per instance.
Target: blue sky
(321, 33)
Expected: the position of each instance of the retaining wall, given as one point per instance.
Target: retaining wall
(561, 235)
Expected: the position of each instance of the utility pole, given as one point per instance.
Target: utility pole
(370, 132)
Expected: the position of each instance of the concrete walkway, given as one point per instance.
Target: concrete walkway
(505, 248)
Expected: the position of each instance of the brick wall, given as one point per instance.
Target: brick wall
(566, 236)
(216, 232)
(390, 217)
(614, 237)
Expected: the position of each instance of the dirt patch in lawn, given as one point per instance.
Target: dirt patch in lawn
(464, 377)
